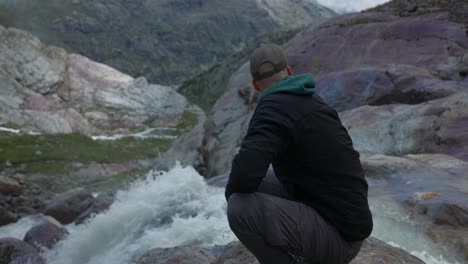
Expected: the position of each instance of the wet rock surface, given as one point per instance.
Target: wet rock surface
(181, 255)
(45, 235)
(102, 202)
(67, 206)
(15, 251)
(372, 251)
(432, 199)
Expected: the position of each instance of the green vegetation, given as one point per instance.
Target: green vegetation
(358, 21)
(55, 153)
(11, 125)
(187, 120)
(167, 41)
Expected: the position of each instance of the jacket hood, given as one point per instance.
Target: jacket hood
(302, 84)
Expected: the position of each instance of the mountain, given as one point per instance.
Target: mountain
(167, 41)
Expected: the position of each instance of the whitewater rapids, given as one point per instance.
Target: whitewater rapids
(169, 209)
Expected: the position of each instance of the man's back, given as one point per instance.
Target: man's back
(319, 166)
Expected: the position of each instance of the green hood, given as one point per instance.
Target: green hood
(302, 84)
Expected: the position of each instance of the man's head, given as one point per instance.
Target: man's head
(268, 65)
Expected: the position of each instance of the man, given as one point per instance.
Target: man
(313, 205)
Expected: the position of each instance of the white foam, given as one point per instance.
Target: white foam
(149, 133)
(174, 208)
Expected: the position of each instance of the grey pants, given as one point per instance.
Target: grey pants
(273, 227)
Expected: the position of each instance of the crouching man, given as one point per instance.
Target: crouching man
(312, 207)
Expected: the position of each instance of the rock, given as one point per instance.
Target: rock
(9, 186)
(378, 85)
(426, 63)
(185, 149)
(457, 9)
(237, 255)
(165, 48)
(100, 204)
(67, 206)
(410, 190)
(372, 251)
(436, 127)
(180, 255)
(13, 250)
(48, 90)
(440, 161)
(429, 42)
(45, 235)
(376, 251)
(6, 216)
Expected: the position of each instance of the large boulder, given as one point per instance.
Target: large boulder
(422, 189)
(372, 251)
(67, 206)
(180, 255)
(411, 60)
(45, 235)
(9, 186)
(15, 251)
(437, 126)
(101, 204)
(45, 89)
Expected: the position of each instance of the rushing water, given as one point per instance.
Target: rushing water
(169, 209)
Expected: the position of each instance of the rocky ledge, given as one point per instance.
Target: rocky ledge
(47, 90)
(373, 251)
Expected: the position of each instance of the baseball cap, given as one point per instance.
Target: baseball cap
(268, 53)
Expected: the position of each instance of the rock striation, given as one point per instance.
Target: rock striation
(47, 90)
(167, 41)
(372, 251)
(361, 59)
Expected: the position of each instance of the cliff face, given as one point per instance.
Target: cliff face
(45, 89)
(166, 41)
(399, 83)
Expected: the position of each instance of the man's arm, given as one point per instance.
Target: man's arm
(270, 132)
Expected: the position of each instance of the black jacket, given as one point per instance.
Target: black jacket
(312, 155)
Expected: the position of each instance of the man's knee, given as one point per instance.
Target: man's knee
(240, 210)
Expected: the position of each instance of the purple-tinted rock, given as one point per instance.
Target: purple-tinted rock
(13, 250)
(356, 59)
(349, 89)
(66, 206)
(45, 235)
(372, 251)
(6, 216)
(100, 204)
(430, 42)
(9, 186)
(437, 126)
(177, 255)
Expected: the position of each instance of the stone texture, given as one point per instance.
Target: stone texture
(15, 251)
(437, 126)
(9, 186)
(410, 191)
(45, 235)
(45, 89)
(100, 204)
(372, 251)
(357, 59)
(375, 251)
(179, 255)
(67, 206)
